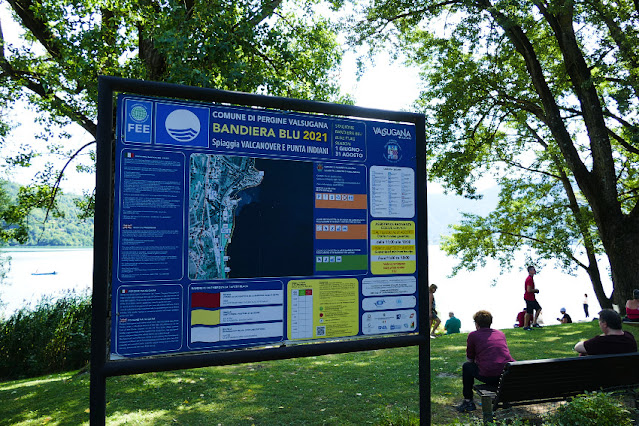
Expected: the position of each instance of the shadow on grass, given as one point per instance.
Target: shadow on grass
(344, 389)
(59, 399)
(335, 389)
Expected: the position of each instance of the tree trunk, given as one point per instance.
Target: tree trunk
(621, 241)
(588, 243)
(595, 278)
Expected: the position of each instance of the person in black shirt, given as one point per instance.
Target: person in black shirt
(614, 340)
(565, 318)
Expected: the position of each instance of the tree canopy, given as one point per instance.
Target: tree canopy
(62, 228)
(542, 95)
(272, 47)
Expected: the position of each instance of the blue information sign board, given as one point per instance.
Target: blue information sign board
(238, 227)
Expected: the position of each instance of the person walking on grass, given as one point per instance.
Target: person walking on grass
(487, 353)
(434, 319)
(531, 301)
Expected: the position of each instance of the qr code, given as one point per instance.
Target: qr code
(320, 330)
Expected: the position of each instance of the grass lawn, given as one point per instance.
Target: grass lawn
(346, 389)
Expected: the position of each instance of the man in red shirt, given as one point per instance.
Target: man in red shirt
(531, 301)
(487, 353)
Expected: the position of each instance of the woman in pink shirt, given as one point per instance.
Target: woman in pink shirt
(487, 353)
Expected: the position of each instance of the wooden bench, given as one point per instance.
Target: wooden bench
(545, 380)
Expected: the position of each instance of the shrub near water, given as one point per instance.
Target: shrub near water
(55, 336)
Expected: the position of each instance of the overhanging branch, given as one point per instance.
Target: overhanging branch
(58, 181)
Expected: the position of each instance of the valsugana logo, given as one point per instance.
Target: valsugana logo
(393, 151)
(399, 133)
(182, 125)
(138, 113)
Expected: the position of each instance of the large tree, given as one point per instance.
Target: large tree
(274, 47)
(545, 95)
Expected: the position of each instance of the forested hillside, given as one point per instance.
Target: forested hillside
(67, 230)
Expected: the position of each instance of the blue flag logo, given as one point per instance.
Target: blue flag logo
(182, 125)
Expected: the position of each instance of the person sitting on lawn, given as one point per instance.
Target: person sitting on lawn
(565, 318)
(453, 325)
(614, 340)
(487, 353)
(632, 307)
(520, 318)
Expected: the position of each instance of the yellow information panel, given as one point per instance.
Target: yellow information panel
(393, 247)
(326, 308)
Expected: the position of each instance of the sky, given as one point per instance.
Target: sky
(385, 85)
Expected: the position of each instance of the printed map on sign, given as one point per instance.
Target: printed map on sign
(249, 217)
(215, 181)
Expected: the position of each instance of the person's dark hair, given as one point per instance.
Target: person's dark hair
(610, 317)
(483, 319)
(432, 287)
(635, 293)
(530, 267)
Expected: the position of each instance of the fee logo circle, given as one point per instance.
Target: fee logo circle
(138, 113)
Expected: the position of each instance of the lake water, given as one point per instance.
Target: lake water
(73, 269)
(464, 294)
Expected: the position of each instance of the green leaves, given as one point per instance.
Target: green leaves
(16, 209)
(12, 219)
(530, 216)
(543, 97)
(596, 409)
(276, 47)
(50, 337)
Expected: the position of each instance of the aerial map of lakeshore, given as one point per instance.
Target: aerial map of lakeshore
(249, 217)
(214, 183)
